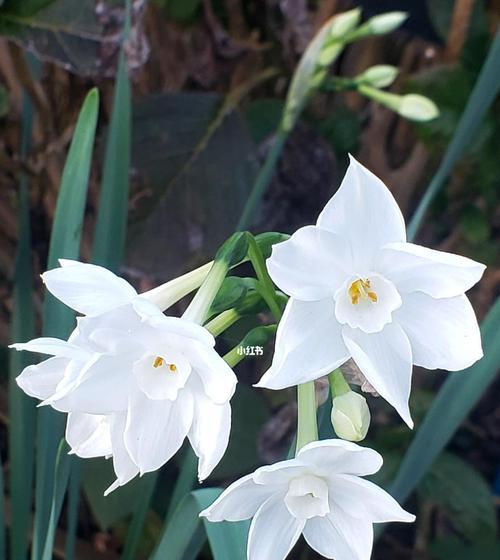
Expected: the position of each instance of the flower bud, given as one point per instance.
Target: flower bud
(385, 23)
(379, 76)
(350, 416)
(418, 108)
(344, 23)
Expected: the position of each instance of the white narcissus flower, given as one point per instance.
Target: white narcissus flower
(134, 382)
(359, 290)
(318, 494)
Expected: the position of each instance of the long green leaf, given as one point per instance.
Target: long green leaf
(21, 407)
(111, 226)
(61, 477)
(483, 95)
(456, 398)
(58, 319)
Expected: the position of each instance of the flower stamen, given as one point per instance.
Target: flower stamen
(159, 362)
(360, 289)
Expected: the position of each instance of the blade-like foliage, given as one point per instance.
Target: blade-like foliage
(21, 407)
(58, 319)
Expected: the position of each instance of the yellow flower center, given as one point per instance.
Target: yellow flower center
(361, 289)
(159, 361)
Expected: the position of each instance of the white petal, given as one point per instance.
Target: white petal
(279, 474)
(239, 501)
(125, 468)
(87, 288)
(157, 380)
(364, 500)
(385, 360)
(308, 344)
(218, 379)
(40, 381)
(181, 327)
(53, 347)
(364, 212)
(156, 429)
(103, 387)
(333, 456)
(273, 532)
(310, 265)
(415, 268)
(340, 536)
(443, 333)
(88, 435)
(209, 434)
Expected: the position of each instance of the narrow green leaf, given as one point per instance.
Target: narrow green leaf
(73, 507)
(58, 319)
(185, 481)
(22, 408)
(483, 95)
(111, 226)
(456, 398)
(61, 477)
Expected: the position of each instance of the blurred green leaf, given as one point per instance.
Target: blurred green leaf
(441, 12)
(182, 11)
(461, 491)
(3, 547)
(57, 318)
(249, 413)
(475, 225)
(263, 117)
(98, 474)
(232, 291)
(453, 547)
(66, 32)
(195, 158)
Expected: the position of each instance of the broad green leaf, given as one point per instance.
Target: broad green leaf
(456, 398)
(57, 318)
(452, 547)
(67, 32)
(483, 95)
(21, 407)
(187, 147)
(459, 490)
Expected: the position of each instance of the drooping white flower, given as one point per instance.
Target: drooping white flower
(318, 494)
(135, 382)
(359, 290)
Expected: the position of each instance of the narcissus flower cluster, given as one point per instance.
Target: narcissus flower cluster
(135, 382)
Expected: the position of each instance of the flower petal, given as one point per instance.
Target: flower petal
(156, 430)
(103, 386)
(385, 360)
(364, 212)
(443, 333)
(362, 499)
(125, 468)
(273, 532)
(40, 381)
(88, 288)
(52, 347)
(279, 474)
(439, 274)
(308, 344)
(209, 433)
(340, 536)
(88, 435)
(239, 501)
(333, 456)
(218, 379)
(310, 265)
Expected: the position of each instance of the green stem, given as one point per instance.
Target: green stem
(338, 384)
(200, 305)
(223, 321)
(307, 425)
(268, 291)
(233, 358)
(262, 181)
